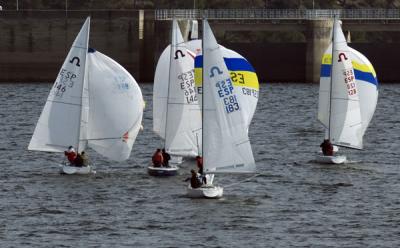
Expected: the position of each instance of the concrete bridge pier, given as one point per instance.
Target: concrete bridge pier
(318, 37)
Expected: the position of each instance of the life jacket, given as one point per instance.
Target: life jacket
(71, 156)
(157, 158)
(327, 149)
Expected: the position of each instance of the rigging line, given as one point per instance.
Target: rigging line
(82, 87)
(171, 51)
(67, 103)
(242, 181)
(243, 142)
(57, 145)
(81, 47)
(203, 92)
(111, 138)
(188, 104)
(331, 79)
(356, 124)
(346, 99)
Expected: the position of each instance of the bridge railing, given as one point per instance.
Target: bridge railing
(281, 14)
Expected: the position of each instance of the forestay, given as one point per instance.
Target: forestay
(225, 140)
(183, 117)
(115, 107)
(59, 123)
(343, 118)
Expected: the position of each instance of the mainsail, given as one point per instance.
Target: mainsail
(182, 129)
(59, 123)
(226, 145)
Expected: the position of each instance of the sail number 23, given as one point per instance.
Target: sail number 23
(237, 77)
(225, 92)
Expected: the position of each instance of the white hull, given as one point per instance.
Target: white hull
(205, 191)
(66, 169)
(330, 159)
(162, 171)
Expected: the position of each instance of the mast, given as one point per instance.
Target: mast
(169, 80)
(330, 86)
(202, 95)
(83, 86)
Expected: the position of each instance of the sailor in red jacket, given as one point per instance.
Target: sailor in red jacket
(199, 162)
(327, 148)
(71, 154)
(157, 158)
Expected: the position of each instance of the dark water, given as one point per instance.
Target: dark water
(293, 203)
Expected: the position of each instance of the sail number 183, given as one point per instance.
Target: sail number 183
(225, 91)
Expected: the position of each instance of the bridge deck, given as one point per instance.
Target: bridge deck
(278, 14)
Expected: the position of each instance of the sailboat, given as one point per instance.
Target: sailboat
(242, 73)
(226, 145)
(348, 95)
(94, 103)
(180, 123)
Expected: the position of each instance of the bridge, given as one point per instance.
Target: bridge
(287, 19)
(35, 41)
(278, 14)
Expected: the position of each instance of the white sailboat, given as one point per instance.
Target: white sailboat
(347, 97)
(226, 145)
(94, 103)
(180, 123)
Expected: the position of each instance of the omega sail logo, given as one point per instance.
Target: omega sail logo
(341, 56)
(77, 62)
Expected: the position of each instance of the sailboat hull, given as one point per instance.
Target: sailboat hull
(162, 171)
(206, 191)
(330, 159)
(70, 170)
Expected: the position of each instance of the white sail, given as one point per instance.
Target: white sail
(160, 93)
(115, 107)
(226, 146)
(341, 115)
(59, 123)
(183, 116)
(245, 80)
(367, 85)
